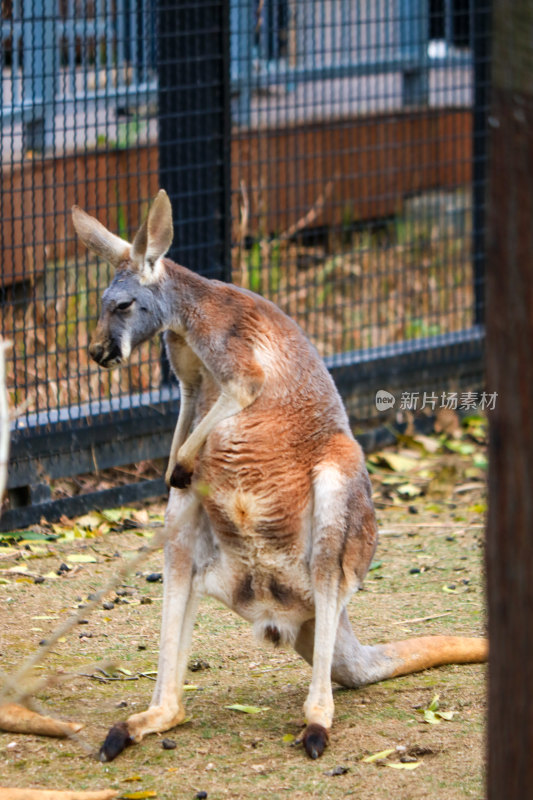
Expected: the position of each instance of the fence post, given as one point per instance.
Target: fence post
(39, 60)
(480, 44)
(414, 40)
(194, 131)
(509, 549)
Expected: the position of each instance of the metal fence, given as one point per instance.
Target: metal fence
(329, 154)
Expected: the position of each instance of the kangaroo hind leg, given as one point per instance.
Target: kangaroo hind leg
(343, 542)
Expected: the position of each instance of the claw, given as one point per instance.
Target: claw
(315, 740)
(117, 739)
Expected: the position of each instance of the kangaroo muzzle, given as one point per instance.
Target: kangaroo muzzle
(106, 356)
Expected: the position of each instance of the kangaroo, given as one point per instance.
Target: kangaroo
(270, 506)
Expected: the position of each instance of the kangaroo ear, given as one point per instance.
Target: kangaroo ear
(155, 235)
(98, 239)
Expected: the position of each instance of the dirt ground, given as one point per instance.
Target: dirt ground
(426, 578)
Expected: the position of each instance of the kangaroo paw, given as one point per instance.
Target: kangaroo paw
(315, 740)
(181, 477)
(117, 739)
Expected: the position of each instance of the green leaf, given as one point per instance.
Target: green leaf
(248, 709)
(463, 448)
(430, 717)
(480, 461)
(433, 706)
(375, 565)
(478, 508)
(289, 737)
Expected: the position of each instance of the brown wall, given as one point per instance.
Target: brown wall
(357, 168)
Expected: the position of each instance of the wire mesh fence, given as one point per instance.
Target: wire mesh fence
(328, 154)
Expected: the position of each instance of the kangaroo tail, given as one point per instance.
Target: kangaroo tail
(357, 665)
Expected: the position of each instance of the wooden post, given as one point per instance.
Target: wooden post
(510, 373)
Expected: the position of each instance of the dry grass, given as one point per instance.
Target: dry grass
(230, 755)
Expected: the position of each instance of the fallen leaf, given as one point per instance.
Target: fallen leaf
(401, 765)
(139, 795)
(447, 715)
(248, 709)
(378, 756)
(396, 462)
(289, 737)
(82, 558)
(131, 779)
(375, 565)
(409, 490)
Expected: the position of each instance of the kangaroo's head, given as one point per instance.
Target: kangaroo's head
(134, 304)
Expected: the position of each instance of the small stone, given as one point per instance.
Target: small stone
(83, 622)
(62, 569)
(122, 704)
(413, 510)
(108, 606)
(146, 601)
(38, 579)
(92, 596)
(200, 796)
(141, 647)
(154, 577)
(414, 570)
(85, 635)
(168, 744)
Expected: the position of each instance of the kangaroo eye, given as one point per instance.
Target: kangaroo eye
(124, 306)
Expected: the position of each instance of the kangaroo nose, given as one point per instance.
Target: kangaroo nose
(96, 352)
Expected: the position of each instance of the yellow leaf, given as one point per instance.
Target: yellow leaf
(289, 737)
(81, 558)
(139, 795)
(378, 756)
(131, 779)
(400, 765)
(397, 462)
(189, 687)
